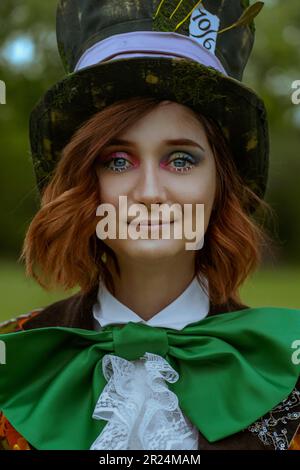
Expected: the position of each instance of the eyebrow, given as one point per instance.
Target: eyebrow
(187, 142)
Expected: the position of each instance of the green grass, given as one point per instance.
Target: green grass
(278, 286)
(19, 294)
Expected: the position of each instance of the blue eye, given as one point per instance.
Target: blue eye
(117, 164)
(184, 163)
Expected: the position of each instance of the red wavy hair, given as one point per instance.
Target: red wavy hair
(61, 247)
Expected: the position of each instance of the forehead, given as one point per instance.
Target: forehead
(168, 119)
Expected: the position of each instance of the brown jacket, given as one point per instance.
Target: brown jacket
(279, 429)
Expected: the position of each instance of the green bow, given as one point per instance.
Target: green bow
(233, 368)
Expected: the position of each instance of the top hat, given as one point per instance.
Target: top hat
(191, 52)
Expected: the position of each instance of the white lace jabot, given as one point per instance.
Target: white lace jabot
(141, 411)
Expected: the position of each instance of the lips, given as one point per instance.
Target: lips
(151, 223)
(145, 223)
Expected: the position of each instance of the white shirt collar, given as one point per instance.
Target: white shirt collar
(191, 306)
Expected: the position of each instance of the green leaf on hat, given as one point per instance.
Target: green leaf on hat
(247, 16)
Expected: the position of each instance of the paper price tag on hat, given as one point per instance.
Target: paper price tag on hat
(204, 27)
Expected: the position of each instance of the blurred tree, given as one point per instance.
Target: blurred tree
(29, 64)
(273, 67)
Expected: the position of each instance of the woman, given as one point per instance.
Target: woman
(157, 340)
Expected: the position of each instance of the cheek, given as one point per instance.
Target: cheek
(111, 187)
(208, 193)
(199, 188)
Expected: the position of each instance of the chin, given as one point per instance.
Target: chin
(151, 249)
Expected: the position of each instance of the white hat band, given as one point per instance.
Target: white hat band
(148, 43)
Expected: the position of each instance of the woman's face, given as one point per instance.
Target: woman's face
(149, 170)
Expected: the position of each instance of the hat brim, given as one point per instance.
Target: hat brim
(238, 110)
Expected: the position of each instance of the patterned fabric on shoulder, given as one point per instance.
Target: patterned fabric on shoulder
(10, 438)
(280, 428)
(15, 324)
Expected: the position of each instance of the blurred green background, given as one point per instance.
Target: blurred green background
(30, 64)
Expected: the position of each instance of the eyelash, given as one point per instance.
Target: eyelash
(188, 158)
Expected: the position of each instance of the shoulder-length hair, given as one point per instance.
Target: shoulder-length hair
(61, 247)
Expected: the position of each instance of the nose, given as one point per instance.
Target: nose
(150, 187)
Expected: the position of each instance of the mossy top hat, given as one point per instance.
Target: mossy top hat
(190, 52)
